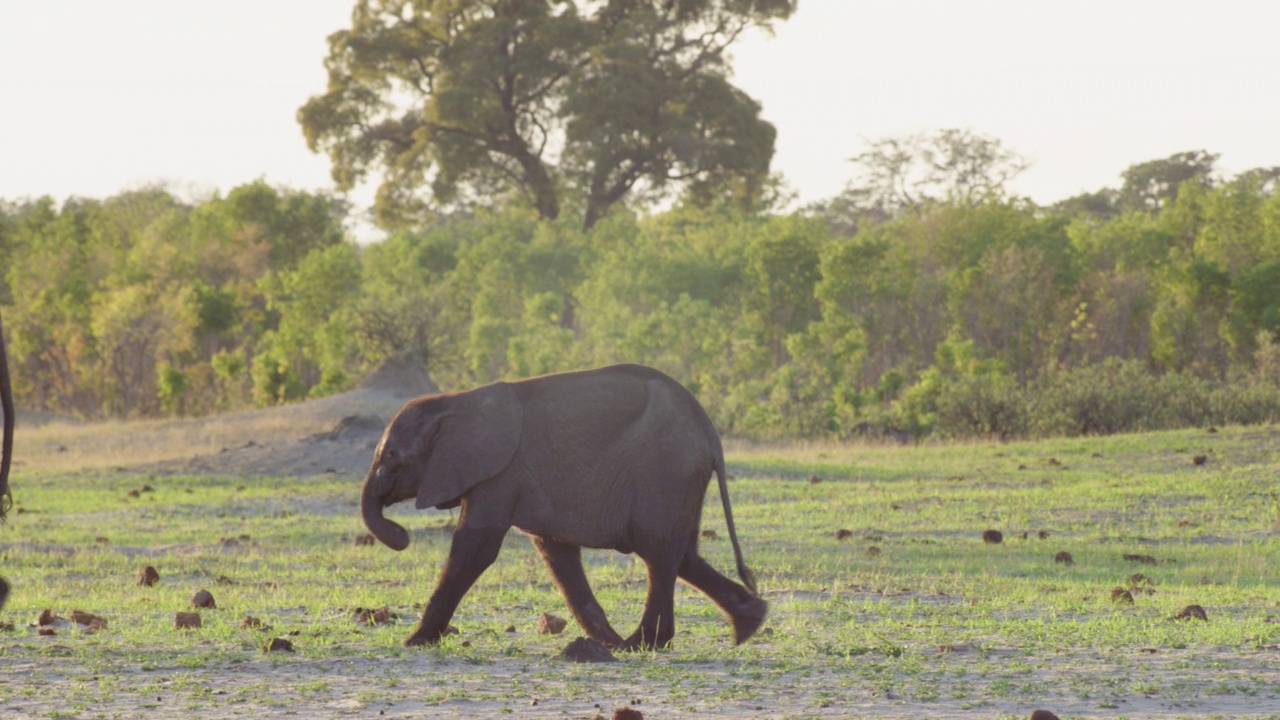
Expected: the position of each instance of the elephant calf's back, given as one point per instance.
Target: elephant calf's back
(635, 445)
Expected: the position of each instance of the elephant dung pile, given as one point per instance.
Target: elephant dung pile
(586, 650)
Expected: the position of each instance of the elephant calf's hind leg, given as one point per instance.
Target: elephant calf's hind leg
(658, 625)
(746, 611)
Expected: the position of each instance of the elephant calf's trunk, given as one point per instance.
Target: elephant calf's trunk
(392, 534)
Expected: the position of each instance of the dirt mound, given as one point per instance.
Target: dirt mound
(332, 435)
(403, 375)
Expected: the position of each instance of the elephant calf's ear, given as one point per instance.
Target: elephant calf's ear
(477, 438)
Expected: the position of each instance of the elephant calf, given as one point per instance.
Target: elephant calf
(617, 457)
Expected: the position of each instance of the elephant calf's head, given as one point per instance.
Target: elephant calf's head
(399, 457)
(437, 448)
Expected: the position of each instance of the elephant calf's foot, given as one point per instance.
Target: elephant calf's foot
(428, 637)
(747, 618)
(641, 640)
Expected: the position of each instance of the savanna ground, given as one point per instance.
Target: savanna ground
(910, 614)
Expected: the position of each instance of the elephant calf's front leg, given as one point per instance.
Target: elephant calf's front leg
(472, 552)
(565, 563)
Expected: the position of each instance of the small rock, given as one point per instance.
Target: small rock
(203, 599)
(549, 624)
(278, 645)
(1191, 612)
(1064, 557)
(992, 537)
(186, 620)
(148, 576)
(586, 650)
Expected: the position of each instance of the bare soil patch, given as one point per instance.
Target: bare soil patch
(331, 435)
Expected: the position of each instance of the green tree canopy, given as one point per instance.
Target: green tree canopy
(564, 103)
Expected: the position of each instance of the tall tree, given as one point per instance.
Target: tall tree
(908, 171)
(547, 99)
(1154, 184)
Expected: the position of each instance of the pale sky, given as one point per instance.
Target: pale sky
(97, 97)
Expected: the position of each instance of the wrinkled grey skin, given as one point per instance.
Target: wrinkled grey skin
(618, 458)
(6, 446)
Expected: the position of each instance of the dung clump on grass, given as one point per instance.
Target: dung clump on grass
(992, 537)
(203, 599)
(88, 621)
(1120, 596)
(549, 624)
(627, 713)
(843, 534)
(1144, 559)
(365, 539)
(1064, 557)
(249, 622)
(278, 645)
(1041, 715)
(374, 616)
(186, 621)
(148, 576)
(1191, 612)
(586, 650)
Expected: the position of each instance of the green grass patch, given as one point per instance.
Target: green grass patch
(908, 611)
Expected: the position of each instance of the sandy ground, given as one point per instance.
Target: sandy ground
(427, 684)
(331, 435)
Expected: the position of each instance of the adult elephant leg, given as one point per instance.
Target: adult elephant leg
(745, 611)
(564, 561)
(472, 552)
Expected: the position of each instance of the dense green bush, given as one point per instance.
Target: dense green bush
(986, 406)
(1114, 396)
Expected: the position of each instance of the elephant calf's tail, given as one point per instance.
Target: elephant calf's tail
(744, 572)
